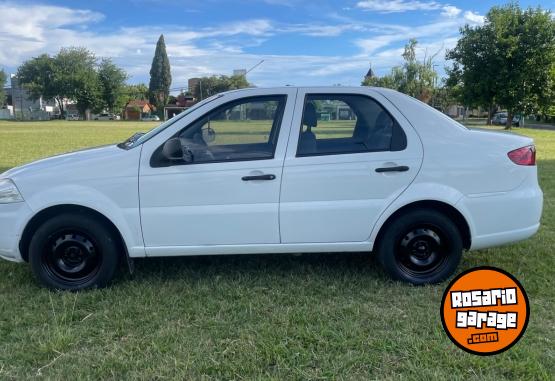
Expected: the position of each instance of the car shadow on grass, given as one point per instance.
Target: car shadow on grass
(325, 265)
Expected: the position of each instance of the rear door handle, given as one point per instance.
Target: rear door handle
(400, 168)
(258, 177)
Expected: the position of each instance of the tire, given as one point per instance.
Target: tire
(73, 252)
(420, 247)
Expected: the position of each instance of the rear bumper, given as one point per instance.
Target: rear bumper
(12, 219)
(503, 238)
(504, 217)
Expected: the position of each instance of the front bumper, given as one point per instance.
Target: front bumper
(12, 221)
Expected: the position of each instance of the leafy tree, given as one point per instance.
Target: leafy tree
(209, 86)
(130, 93)
(39, 76)
(138, 91)
(414, 78)
(112, 83)
(507, 61)
(160, 76)
(77, 79)
(547, 103)
(3, 78)
(472, 78)
(172, 100)
(70, 74)
(443, 97)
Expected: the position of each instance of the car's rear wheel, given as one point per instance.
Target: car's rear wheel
(73, 252)
(420, 247)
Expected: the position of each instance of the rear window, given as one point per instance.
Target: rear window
(347, 123)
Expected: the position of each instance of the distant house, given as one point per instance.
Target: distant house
(182, 102)
(136, 108)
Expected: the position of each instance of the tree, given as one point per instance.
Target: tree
(414, 78)
(77, 78)
(112, 83)
(160, 76)
(38, 76)
(443, 98)
(208, 86)
(70, 74)
(507, 61)
(130, 93)
(472, 78)
(3, 78)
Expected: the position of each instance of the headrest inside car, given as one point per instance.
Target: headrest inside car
(309, 117)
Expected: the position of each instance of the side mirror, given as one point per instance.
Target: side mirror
(173, 150)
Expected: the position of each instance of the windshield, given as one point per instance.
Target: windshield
(140, 138)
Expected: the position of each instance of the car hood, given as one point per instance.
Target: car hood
(77, 160)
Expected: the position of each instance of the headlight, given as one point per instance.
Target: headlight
(9, 192)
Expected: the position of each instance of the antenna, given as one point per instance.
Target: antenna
(254, 67)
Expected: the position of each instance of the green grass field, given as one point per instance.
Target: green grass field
(258, 317)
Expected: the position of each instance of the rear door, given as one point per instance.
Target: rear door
(349, 156)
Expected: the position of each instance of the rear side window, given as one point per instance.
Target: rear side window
(342, 124)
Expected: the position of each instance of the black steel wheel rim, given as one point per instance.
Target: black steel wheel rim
(71, 256)
(422, 250)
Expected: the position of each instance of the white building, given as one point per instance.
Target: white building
(31, 109)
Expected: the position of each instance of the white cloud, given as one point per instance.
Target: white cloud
(29, 30)
(25, 29)
(474, 18)
(320, 30)
(434, 31)
(394, 6)
(450, 11)
(371, 45)
(391, 6)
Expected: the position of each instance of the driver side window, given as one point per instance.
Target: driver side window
(246, 129)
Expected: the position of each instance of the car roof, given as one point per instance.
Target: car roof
(306, 87)
(323, 89)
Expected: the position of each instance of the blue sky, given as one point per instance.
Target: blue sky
(320, 42)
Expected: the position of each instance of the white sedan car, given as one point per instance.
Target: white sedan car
(283, 170)
(106, 117)
(150, 118)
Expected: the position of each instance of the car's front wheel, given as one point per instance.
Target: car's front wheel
(420, 247)
(73, 252)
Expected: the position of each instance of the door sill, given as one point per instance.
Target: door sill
(172, 251)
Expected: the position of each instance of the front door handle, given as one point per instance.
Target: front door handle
(400, 168)
(258, 177)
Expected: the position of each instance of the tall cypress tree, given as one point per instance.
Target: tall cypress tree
(160, 76)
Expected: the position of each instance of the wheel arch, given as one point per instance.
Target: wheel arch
(449, 210)
(40, 217)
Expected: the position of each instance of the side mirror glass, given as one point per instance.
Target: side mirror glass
(173, 150)
(208, 134)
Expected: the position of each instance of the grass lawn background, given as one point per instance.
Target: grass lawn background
(314, 316)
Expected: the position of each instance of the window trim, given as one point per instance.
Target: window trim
(157, 161)
(331, 95)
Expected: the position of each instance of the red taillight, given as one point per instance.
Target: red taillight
(523, 156)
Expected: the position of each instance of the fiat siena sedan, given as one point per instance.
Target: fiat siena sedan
(283, 170)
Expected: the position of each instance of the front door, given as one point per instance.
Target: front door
(228, 191)
(349, 156)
